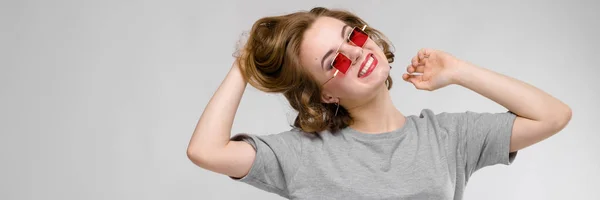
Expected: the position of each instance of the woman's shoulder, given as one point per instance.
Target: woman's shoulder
(453, 118)
(292, 136)
(430, 113)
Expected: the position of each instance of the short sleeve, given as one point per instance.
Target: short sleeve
(277, 160)
(481, 139)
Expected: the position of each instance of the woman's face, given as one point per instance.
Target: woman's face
(318, 49)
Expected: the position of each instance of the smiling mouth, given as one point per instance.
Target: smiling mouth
(367, 66)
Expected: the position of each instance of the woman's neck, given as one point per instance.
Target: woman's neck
(379, 115)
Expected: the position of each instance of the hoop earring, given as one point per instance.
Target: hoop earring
(336, 109)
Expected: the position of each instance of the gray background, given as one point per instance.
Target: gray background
(100, 98)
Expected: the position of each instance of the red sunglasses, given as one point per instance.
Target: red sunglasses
(341, 63)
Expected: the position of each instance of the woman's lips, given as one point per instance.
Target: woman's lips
(367, 66)
(362, 65)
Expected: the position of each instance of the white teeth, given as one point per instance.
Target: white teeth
(367, 66)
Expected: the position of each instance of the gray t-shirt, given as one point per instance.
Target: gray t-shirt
(431, 157)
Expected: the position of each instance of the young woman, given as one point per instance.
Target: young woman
(349, 141)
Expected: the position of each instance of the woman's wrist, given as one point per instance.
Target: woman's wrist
(462, 72)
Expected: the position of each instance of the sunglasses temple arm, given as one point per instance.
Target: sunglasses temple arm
(334, 75)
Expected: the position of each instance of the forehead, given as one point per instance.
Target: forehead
(326, 26)
(325, 34)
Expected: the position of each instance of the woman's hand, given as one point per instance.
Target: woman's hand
(437, 69)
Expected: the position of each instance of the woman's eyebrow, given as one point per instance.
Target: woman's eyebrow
(332, 50)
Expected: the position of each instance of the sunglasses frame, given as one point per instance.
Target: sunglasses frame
(337, 51)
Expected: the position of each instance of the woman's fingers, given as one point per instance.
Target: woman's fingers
(413, 71)
(421, 56)
(415, 61)
(423, 53)
(416, 80)
(417, 69)
(405, 77)
(410, 78)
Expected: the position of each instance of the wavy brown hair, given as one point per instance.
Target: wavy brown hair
(270, 62)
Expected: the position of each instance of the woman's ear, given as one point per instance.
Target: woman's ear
(326, 98)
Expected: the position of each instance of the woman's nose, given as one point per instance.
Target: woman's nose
(351, 51)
